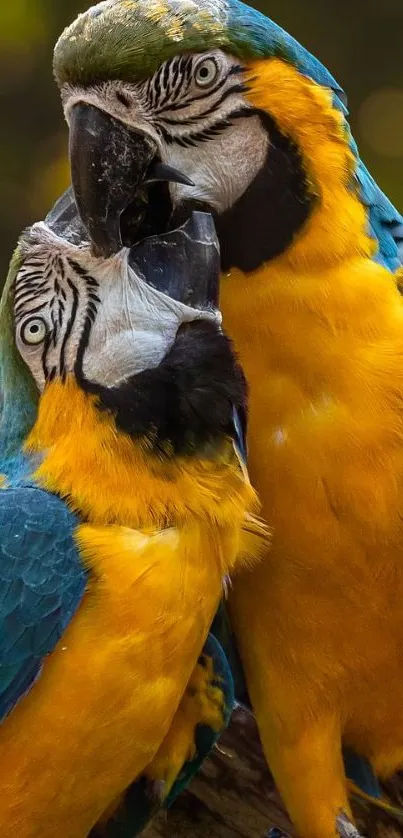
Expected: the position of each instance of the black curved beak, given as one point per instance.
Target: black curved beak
(183, 264)
(111, 166)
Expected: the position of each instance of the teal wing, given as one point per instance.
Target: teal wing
(42, 583)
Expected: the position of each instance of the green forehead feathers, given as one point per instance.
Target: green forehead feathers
(129, 39)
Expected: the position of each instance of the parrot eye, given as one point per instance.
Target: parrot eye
(33, 331)
(206, 72)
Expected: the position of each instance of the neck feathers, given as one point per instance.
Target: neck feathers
(132, 466)
(337, 228)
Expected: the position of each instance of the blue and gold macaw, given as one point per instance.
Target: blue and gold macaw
(124, 505)
(310, 255)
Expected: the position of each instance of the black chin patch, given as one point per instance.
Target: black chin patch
(264, 221)
(185, 405)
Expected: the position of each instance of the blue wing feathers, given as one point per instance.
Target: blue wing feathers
(42, 582)
(385, 221)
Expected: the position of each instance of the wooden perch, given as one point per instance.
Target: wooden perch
(234, 796)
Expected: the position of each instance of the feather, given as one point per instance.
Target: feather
(42, 582)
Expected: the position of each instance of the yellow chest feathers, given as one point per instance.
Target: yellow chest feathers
(323, 355)
(112, 479)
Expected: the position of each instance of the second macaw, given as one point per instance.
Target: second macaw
(123, 506)
(309, 252)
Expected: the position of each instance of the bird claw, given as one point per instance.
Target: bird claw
(345, 828)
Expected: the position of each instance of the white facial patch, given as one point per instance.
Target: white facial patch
(135, 325)
(220, 169)
(77, 313)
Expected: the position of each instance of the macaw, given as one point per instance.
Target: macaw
(310, 254)
(124, 507)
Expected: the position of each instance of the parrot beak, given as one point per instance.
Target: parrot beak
(183, 264)
(113, 169)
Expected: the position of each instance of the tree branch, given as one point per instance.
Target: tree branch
(234, 796)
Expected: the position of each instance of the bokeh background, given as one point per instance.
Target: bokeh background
(361, 42)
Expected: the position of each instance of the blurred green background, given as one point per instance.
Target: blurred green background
(361, 42)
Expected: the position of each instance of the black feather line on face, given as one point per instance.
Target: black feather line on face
(185, 405)
(209, 132)
(167, 90)
(69, 326)
(48, 281)
(45, 350)
(239, 88)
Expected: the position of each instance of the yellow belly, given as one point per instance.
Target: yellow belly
(320, 621)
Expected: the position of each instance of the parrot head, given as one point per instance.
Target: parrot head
(103, 320)
(156, 359)
(181, 105)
